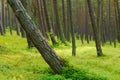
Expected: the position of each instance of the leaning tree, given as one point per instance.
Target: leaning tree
(49, 55)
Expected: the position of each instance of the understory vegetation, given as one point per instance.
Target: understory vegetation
(17, 62)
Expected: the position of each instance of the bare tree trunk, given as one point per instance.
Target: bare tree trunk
(54, 61)
(17, 27)
(99, 19)
(68, 24)
(3, 23)
(40, 20)
(86, 22)
(116, 23)
(118, 11)
(1, 26)
(72, 29)
(30, 44)
(50, 30)
(57, 21)
(95, 29)
(43, 19)
(64, 18)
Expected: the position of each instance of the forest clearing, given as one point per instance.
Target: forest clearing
(59, 40)
(17, 62)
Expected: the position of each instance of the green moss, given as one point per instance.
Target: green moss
(17, 62)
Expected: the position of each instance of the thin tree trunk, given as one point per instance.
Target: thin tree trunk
(40, 20)
(68, 24)
(3, 15)
(86, 23)
(50, 30)
(17, 27)
(1, 26)
(72, 29)
(95, 29)
(64, 18)
(59, 27)
(118, 28)
(30, 44)
(43, 19)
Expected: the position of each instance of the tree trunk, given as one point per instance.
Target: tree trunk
(118, 11)
(1, 27)
(64, 18)
(54, 61)
(95, 29)
(72, 29)
(30, 44)
(57, 21)
(86, 23)
(17, 27)
(43, 19)
(3, 15)
(50, 30)
(40, 20)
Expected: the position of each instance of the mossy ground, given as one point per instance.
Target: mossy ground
(17, 62)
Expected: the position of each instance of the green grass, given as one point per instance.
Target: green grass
(17, 62)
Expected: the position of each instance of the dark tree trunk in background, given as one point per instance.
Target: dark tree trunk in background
(40, 20)
(54, 61)
(30, 44)
(50, 30)
(64, 18)
(68, 23)
(102, 24)
(118, 11)
(99, 19)
(1, 26)
(116, 21)
(23, 34)
(17, 27)
(86, 23)
(95, 29)
(43, 19)
(3, 15)
(9, 18)
(6, 16)
(57, 21)
(72, 29)
(109, 23)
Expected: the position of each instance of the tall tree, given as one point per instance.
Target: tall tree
(86, 22)
(64, 18)
(3, 16)
(57, 21)
(1, 26)
(50, 30)
(95, 29)
(30, 44)
(68, 24)
(72, 29)
(54, 61)
(118, 11)
(40, 18)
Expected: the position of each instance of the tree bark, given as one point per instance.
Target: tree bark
(30, 44)
(64, 18)
(3, 15)
(57, 21)
(118, 27)
(72, 29)
(54, 61)
(50, 30)
(95, 29)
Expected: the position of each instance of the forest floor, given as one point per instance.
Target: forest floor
(17, 62)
